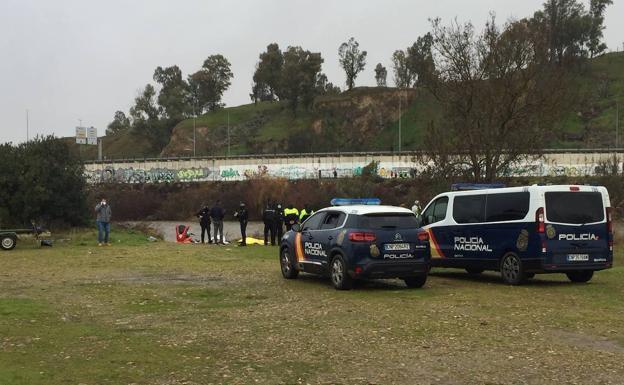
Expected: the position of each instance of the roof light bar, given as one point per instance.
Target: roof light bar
(355, 201)
(475, 186)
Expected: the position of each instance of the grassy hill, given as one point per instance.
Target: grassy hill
(365, 119)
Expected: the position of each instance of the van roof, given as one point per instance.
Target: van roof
(534, 187)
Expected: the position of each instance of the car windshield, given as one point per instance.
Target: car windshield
(574, 207)
(388, 221)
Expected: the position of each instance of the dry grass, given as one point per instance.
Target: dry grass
(158, 313)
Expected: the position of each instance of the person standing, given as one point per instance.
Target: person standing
(103, 213)
(204, 222)
(217, 213)
(268, 218)
(416, 209)
(243, 218)
(305, 213)
(291, 216)
(278, 222)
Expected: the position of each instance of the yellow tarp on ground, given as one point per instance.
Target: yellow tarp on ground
(253, 241)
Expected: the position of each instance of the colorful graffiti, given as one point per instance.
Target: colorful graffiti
(136, 174)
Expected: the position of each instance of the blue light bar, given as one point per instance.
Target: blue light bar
(355, 201)
(475, 186)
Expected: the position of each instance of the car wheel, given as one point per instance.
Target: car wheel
(415, 282)
(7, 242)
(511, 269)
(474, 271)
(338, 273)
(580, 276)
(287, 266)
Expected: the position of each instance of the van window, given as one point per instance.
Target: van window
(436, 211)
(506, 206)
(469, 208)
(574, 207)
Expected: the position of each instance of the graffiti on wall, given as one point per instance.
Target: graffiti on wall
(139, 175)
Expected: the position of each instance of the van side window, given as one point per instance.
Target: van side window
(436, 211)
(507, 206)
(469, 208)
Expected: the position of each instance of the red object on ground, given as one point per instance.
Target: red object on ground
(182, 234)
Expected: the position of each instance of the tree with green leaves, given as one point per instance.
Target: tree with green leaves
(325, 87)
(47, 184)
(596, 13)
(267, 76)
(352, 60)
(173, 95)
(120, 123)
(299, 76)
(403, 76)
(209, 83)
(146, 118)
(420, 58)
(381, 75)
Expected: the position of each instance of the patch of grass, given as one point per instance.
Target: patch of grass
(161, 313)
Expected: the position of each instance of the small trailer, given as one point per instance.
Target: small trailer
(9, 237)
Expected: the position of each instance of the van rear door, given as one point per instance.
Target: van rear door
(576, 229)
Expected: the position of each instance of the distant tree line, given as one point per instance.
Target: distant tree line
(498, 88)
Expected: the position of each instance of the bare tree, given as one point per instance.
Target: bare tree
(499, 94)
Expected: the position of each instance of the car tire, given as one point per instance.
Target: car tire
(7, 242)
(287, 265)
(415, 282)
(581, 276)
(474, 271)
(511, 269)
(339, 275)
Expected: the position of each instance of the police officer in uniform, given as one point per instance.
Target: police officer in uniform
(204, 222)
(268, 217)
(243, 218)
(291, 216)
(305, 213)
(278, 222)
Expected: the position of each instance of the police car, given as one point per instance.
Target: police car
(523, 231)
(357, 239)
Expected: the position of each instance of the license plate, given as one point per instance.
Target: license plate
(397, 246)
(578, 257)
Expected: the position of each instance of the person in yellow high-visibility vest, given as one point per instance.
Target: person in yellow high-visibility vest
(305, 213)
(291, 216)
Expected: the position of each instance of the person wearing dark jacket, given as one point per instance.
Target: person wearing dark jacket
(204, 222)
(103, 217)
(278, 222)
(243, 218)
(217, 213)
(268, 217)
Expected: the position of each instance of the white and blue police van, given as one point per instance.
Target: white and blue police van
(522, 231)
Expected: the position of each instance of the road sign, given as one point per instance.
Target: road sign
(86, 135)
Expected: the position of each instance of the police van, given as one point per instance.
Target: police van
(521, 231)
(357, 239)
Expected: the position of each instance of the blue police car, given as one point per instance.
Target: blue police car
(355, 239)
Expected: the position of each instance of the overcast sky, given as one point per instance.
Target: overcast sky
(71, 60)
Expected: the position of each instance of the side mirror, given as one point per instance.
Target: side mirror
(296, 227)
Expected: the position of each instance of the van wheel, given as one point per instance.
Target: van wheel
(511, 269)
(415, 282)
(288, 268)
(7, 242)
(474, 271)
(580, 276)
(338, 273)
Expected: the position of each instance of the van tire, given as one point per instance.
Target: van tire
(581, 276)
(474, 271)
(415, 282)
(8, 242)
(511, 269)
(339, 274)
(289, 271)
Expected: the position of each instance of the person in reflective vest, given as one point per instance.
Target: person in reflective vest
(305, 213)
(291, 216)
